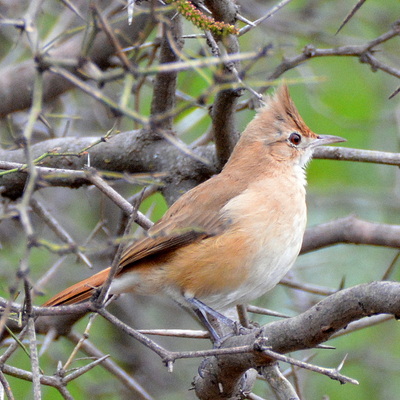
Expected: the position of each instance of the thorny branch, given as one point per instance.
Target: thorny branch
(363, 52)
(185, 166)
(287, 335)
(306, 330)
(16, 82)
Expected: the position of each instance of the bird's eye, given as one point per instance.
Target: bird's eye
(295, 138)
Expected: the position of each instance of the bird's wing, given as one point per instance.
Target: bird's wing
(193, 217)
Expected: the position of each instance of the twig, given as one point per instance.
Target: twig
(33, 354)
(182, 333)
(102, 297)
(391, 267)
(30, 186)
(13, 347)
(98, 95)
(306, 287)
(30, 28)
(54, 225)
(125, 206)
(332, 373)
(281, 387)
(198, 63)
(37, 390)
(115, 42)
(265, 311)
(269, 14)
(84, 337)
(125, 378)
(351, 230)
(73, 8)
(333, 153)
(80, 371)
(364, 52)
(252, 396)
(64, 392)
(362, 324)
(6, 387)
(27, 376)
(134, 333)
(243, 316)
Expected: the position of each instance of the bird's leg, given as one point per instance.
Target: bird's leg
(198, 304)
(201, 310)
(202, 315)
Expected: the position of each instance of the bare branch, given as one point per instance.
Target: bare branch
(364, 52)
(306, 330)
(332, 373)
(164, 95)
(109, 155)
(351, 230)
(125, 206)
(184, 333)
(362, 324)
(53, 224)
(357, 155)
(282, 388)
(6, 386)
(224, 107)
(126, 379)
(16, 82)
(269, 14)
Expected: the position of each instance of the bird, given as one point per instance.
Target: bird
(232, 238)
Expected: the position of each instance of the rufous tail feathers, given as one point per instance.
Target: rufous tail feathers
(79, 292)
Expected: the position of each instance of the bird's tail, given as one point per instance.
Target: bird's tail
(79, 292)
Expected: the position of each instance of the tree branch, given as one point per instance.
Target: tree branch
(222, 376)
(224, 107)
(164, 92)
(351, 230)
(127, 152)
(364, 52)
(16, 81)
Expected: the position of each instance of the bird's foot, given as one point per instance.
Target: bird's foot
(203, 311)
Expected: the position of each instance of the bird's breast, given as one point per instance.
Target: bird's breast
(271, 218)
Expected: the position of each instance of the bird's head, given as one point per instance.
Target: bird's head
(279, 127)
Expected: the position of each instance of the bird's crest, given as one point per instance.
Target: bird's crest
(282, 109)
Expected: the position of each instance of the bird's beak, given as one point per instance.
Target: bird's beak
(327, 139)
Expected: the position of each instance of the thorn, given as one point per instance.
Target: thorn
(174, 16)
(60, 370)
(342, 283)
(325, 347)
(48, 339)
(80, 371)
(340, 366)
(350, 15)
(131, 10)
(394, 93)
(204, 8)
(170, 366)
(245, 20)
